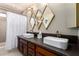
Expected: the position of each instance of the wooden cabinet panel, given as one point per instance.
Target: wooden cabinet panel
(20, 48)
(31, 45)
(23, 41)
(28, 48)
(38, 54)
(44, 52)
(31, 52)
(25, 50)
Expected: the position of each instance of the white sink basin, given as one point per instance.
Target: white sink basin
(28, 35)
(56, 42)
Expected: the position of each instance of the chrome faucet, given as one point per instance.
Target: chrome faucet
(58, 33)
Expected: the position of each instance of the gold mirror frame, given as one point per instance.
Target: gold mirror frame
(32, 23)
(38, 18)
(31, 17)
(48, 17)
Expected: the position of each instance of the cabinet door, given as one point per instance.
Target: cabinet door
(25, 49)
(21, 47)
(31, 52)
(38, 54)
(43, 52)
(31, 45)
(24, 44)
(31, 49)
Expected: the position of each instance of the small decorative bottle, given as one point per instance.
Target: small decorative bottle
(39, 36)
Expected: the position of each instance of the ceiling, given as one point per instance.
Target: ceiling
(15, 7)
(20, 8)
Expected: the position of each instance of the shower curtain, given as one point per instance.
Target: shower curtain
(16, 25)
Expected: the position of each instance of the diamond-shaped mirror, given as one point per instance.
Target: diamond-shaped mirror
(30, 16)
(39, 23)
(32, 23)
(48, 17)
(38, 18)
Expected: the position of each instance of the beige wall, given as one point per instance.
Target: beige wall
(60, 21)
(2, 29)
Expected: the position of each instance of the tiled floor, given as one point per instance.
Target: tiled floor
(2, 44)
(14, 52)
(4, 52)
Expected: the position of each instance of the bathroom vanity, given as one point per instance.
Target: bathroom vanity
(36, 47)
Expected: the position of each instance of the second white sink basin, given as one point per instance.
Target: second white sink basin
(28, 35)
(56, 42)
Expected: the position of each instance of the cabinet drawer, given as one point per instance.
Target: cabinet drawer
(44, 52)
(31, 52)
(31, 45)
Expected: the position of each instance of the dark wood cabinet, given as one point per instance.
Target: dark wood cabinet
(22, 46)
(43, 52)
(31, 52)
(31, 49)
(25, 50)
(28, 48)
(31, 45)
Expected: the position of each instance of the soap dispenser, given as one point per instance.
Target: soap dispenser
(39, 36)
